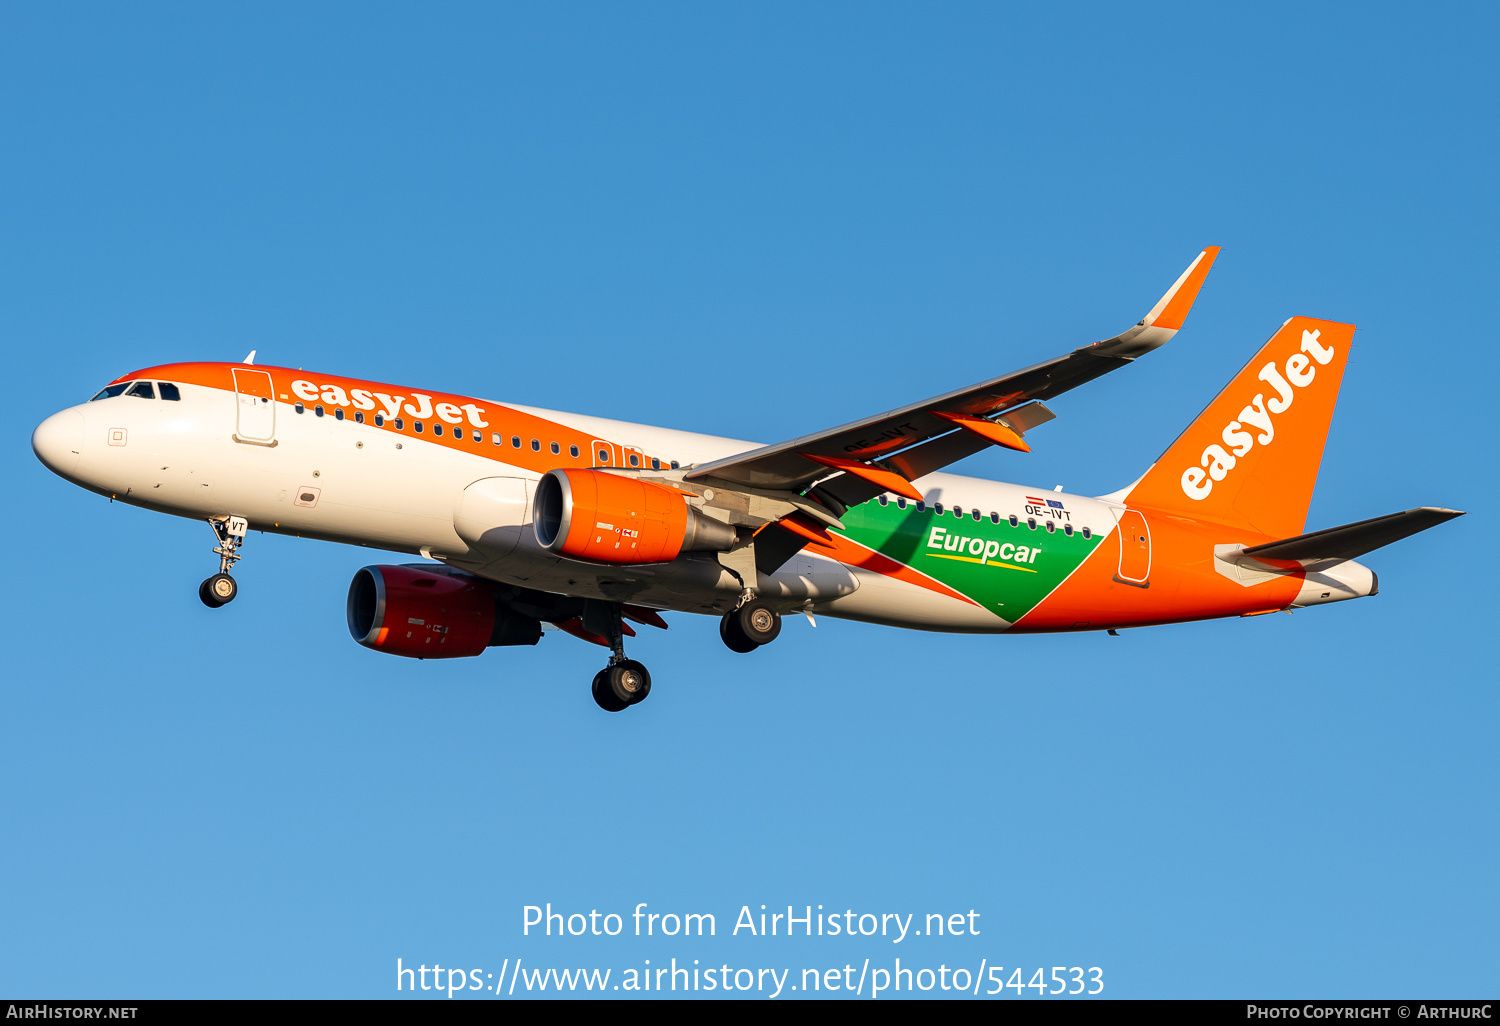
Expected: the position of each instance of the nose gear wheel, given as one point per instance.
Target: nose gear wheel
(218, 590)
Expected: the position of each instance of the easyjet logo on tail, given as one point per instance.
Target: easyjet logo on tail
(1218, 460)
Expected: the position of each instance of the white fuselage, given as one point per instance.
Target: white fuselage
(313, 476)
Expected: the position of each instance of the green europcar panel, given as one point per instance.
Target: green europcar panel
(1005, 569)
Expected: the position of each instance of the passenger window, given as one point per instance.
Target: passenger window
(1013, 521)
(416, 425)
(674, 464)
(536, 446)
(882, 500)
(603, 456)
(573, 451)
(1031, 523)
(921, 507)
(515, 441)
(655, 463)
(318, 409)
(900, 503)
(635, 461)
(497, 439)
(556, 449)
(379, 420)
(110, 391)
(359, 418)
(1051, 526)
(400, 424)
(958, 511)
(338, 414)
(1087, 533)
(169, 391)
(437, 429)
(142, 390)
(298, 407)
(1068, 530)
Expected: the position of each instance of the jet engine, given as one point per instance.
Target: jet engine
(613, 518)
(414, 611)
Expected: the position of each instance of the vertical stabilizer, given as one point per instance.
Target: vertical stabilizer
(1251, 458)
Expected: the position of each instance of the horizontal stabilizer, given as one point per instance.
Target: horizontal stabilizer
(1335, 544)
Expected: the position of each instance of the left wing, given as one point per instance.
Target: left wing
(885, 452)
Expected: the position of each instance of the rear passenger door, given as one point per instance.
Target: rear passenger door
(1135, 549)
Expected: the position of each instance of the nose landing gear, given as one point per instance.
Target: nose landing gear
(220, 589)
(624, 682)
(752, 625)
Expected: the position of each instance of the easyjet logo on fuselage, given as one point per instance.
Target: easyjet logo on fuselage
(391, 405)
(1218, 460)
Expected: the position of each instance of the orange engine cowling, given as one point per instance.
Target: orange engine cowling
(407, 611)
(613, 518)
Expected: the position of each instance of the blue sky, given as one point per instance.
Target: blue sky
(754, 221)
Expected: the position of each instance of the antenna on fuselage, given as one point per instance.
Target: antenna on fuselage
(250, 358)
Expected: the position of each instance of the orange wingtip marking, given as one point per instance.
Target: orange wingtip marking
(1186, 290)
(891, 482)
(988, 429)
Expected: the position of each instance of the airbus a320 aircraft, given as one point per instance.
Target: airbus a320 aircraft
(533, 516)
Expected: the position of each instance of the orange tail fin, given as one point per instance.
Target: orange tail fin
(1251, 459)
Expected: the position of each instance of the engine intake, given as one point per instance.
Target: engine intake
(613, 518)
(412, 611)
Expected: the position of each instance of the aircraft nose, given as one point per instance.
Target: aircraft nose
(58, 442)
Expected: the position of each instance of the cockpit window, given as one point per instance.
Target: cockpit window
(111, 391)
(169, 391)
(142, 390)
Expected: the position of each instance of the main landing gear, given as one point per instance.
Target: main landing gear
(220, 589)
(624, 682)
(753, 624)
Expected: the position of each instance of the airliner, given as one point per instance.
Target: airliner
(532, 519)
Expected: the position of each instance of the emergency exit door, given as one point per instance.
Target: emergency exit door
(255, 407)
(1135, 550)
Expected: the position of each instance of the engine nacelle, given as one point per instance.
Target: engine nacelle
(411, 611)
(614, 518)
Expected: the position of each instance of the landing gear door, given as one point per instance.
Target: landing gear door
(255, 407)
(1135, 549)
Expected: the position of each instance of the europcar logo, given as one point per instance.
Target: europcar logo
(1217, 460)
